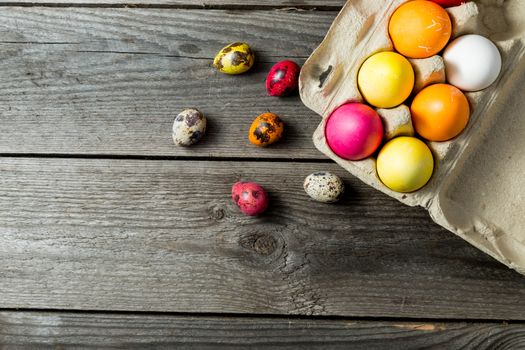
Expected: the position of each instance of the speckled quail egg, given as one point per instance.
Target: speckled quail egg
(235, 58)
(283, 78)
(189, 127)
(266, 129)
(250, 197)
(323, 186)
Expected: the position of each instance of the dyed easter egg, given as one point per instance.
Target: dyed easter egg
(266, 129)
(354, 131)
(420, 28)
(188, 127)
(405, 164)
(449, 3)
(440, 112)
(386, 79)
(235, 58)
(283, 78)
(250, 197)
(324, 187)
(472, 62)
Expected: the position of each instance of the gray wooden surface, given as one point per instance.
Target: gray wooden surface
(41, 330)
(100, 213)
(165, 236)
(110, 81)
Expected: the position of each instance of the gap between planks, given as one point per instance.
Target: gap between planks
(160, 5)
(297, 317)
(167, 158)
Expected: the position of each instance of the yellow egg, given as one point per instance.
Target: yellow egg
(386, 79)
(405, 164)
(235, 58)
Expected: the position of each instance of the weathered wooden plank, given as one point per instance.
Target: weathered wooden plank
(164, 236)
(244, 4)
(123, 331)
(110, 81)
(125, 104)
(169, 32)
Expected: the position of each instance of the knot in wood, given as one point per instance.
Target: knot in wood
(217, 213)
(265, 245)
(261, 243)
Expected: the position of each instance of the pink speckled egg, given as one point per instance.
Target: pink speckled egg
(354, 131)
(250, 197)
(283, 78)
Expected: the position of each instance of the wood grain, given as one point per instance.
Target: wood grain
(98, 234)
(122, 331)
(228, 4)
(111, 81)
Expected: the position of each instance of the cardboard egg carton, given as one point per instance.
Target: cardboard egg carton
(477, 190)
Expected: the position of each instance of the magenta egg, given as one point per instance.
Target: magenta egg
(250, 197)
(449, 3)
(283, 78)
(354, 131)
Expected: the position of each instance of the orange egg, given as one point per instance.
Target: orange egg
(440, 112)
(420, 29)
(266, 129)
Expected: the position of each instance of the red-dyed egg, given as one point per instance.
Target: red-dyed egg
(354, 131)
(250, 197)
(283, 78)
(449, 3)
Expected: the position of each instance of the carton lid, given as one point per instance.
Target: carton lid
(483, 198)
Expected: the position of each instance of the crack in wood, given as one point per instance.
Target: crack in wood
(207, 58)
(294, 269)
(40, 42)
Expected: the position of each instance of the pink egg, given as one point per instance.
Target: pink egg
(354, 131)
(449, 3)
(250, 197)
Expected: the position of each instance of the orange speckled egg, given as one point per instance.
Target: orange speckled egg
(440, 112)
(420, 28)
(266, 129)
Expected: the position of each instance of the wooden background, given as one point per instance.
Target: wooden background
(111, 237)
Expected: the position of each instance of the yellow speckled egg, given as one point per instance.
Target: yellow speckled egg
(405, 164)
(235, 58)
(386, 79)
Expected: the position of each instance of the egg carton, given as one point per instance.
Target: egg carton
(477, 190)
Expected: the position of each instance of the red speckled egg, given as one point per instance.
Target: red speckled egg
(250, 197)
(449, 3)
(283, 78)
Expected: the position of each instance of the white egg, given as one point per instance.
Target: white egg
(472, 62)
(324, 187)
(189, 127)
